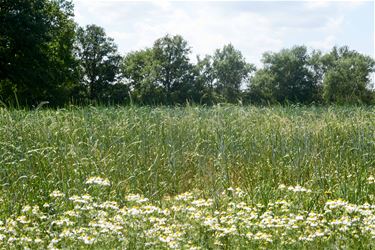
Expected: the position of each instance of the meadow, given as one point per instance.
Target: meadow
(222, 177)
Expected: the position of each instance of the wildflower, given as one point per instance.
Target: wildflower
(371, 179)
(212, 222)
(72, 213)
(109, 205)
(54, 241)
(84, 199)
(63, 221)
(166, 239)
(56, 194)
(134, 211)
(98, 181)
(38, 241)
(239, 192)
(36, 211)
(184, 197)
(150, 209)
(202, 203)
(299, 189)
(299, 218)
(263, 236)
(22, 219)
(26, 209)
(88, 240)
(351, 208)
(136, 198)
(12, 239)
(332, 204)
(26, 239)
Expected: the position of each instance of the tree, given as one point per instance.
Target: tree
(162, 74)
(262, 88)
(174, 70)
(287, 76)
(99, 61)
(204, 81)
(230, 71)
(347, 77)
(140, 71)
(36, 42)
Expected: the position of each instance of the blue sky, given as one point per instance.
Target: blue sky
(251, 26)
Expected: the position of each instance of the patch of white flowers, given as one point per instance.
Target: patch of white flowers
(296, 189)
(56, 194)
(98, 181)
(371, 180)
(189, 221)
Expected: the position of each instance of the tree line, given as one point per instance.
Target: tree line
(46, 56)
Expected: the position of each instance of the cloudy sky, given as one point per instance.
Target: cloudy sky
(251, 26)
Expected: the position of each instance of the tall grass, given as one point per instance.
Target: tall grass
(166, 151)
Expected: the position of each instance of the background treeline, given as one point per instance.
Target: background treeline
(45, 56)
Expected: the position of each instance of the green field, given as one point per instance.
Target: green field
(225, 177)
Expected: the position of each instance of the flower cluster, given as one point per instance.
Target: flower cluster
(296, 189)
(98, 181)
(371, 180)
(188, 221)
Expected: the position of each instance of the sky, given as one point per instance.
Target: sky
(253, 27)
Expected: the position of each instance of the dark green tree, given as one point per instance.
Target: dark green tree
(139, 69)
(36, 42)
(347, 77)
(261, 89)
(162, 74)
(174, 70)
(230, 72)
(205, 81)
(99, 61)
(287, 76)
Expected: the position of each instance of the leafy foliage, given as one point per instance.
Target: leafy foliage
(161, 74)
(286, 77)
(230, 71)
(44, 56)
(99, 61)
(174, 71)
(140, 72)
(347, 78)
(36, 40)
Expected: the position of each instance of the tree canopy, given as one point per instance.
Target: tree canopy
(99, 61)
(36, 41)
(46, 56)
(287, 76)
(230, 70)
(347, 77)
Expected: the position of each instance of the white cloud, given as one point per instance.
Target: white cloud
(333, 24)
(321, 4)
(325, 44)
(205, 28)
(252, 27)
(318, 4)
